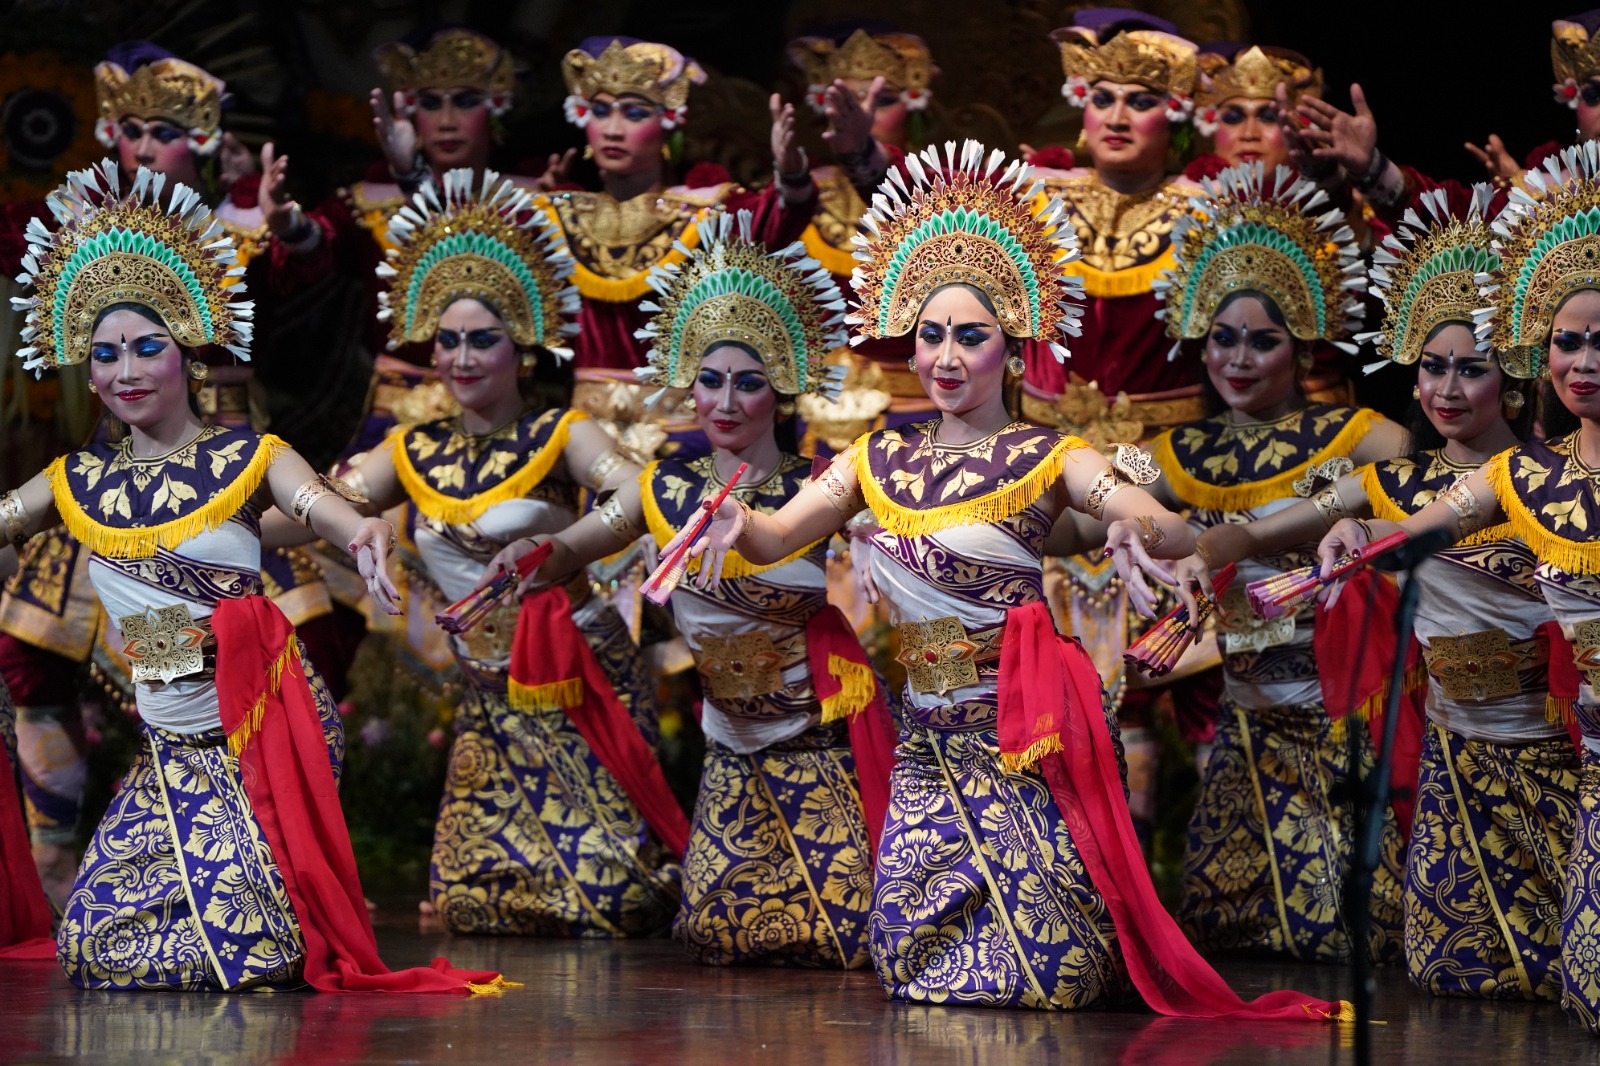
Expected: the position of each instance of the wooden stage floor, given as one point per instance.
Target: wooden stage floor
(643, 1002)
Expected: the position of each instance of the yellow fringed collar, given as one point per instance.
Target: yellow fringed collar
(1398, 488)
(672, 489)
(454, 478)
(126, 508)
(1552, 501)
(916, 485)
(1218, 466)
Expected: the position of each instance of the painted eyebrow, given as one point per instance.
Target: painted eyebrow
(961, 325)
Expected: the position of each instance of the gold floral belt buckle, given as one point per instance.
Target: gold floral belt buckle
(1586, 650)
(1245, 631)
(1478, 666)
(164, 643)
(741, 667)
(939, 655)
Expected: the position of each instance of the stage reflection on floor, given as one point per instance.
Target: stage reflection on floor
(615, 1003)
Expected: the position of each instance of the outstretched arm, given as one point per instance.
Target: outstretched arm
(594, 461)
(372, 477)
(24, 513)
(606, 530)
(300, 493)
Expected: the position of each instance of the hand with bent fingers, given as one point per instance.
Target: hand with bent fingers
(1495, 159)
(1345, 537)
(849, 123)
(1340, 136)
(1125, 546)
(370, 546)
(397, 134)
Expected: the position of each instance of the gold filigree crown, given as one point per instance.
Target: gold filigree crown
(167, 253)
(902, 60)
(1426, 273)
(492, 243)
(1251, 233)
(657, 72)
(167, 89)
(453, 59)
(960, 219)
(1548, 241)
(1255, 74)
(1574, 56)
(1159, 61)
(783, 305)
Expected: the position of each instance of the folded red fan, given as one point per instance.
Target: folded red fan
(472, 608)
(1272, 596)
(1158, 650)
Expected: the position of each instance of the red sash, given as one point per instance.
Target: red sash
(24, 911)
(842, 678)
(1050, 713)
(552, 667)
(272, 724)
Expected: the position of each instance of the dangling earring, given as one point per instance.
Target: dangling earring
(1303, 360)
(1416, 392)
(198, 370)
(1512, 401)
(92, 388)
(666, 152)
(911, 364)
(1083, 139)
(785, 410)
(588, 151)
(1015, 366)
(529, 360)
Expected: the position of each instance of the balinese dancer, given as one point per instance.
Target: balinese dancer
(1134, 78)
(1263, 270)
(779, 866)
(160, 112)
(873, 85)
(231, 812)
(535, 834)
(1236, 103)
(631, 99)
(1545, 313)
(1497, 768)
(983, 895)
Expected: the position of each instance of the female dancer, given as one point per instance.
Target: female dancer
(230, 816)
(1264, 270)
(1497, 770)
(1545, 313)
(535, 833)
(779, 866)
(983, 895)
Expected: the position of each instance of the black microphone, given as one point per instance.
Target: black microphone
(1408, 555)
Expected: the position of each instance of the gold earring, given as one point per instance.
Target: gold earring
(588, 151)
(666, 152)
(92, 388)
(911, 364)
(198, 370)
(1513, 401)
(1416, 392)
(1016, 366)
(1083, 139)
(1303, 360)
(529, 359)
(785, 410)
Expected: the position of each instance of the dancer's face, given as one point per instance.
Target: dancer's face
(475, 355)
(137, 369)
(733, 398)
(1250, 359)
(625, 133)
(1458, 386)
(1575, 353)
(453, 127)
(1247, 132)
(1126, 127)
(159, 146)
(961, 350)
(888, 111)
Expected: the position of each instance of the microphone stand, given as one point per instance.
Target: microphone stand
(1371, 796)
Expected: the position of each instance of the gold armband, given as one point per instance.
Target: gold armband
(1205, 555)
(14, 516)
(616, 519)
(838, 493)
(1106, 484)
(603, 467)
(1130, 465)
(1460, 499)
(307, 495)
(1330, 505)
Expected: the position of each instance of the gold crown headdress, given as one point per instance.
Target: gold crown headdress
(167, 89)
(783, 304)
(1574, 57)
(657, 72)
(902, 60)
(1426, 273)
(1549, 248)
(1250, 233)
(490, 243)
(1253, 74)
(453, 59)
(109, 248)
(963, 220)
(1161, 62)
